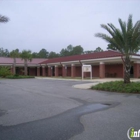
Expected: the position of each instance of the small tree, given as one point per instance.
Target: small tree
(14, 54)
(26, 55)
(125, 40)
(4, 71)
(3, 19)
(53, 55)
(43, 53)
(98, 49)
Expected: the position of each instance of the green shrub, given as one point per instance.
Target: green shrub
(118, 86)
(4, 71)
(18, 77)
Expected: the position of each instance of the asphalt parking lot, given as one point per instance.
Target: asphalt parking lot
(42, 109)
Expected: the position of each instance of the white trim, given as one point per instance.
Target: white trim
(135, 57)
(76, 61)
(90, 70)
(53, 64)
(43, 64)
(59, 63)
(101, 59)
(137, 62)
(72, 65)
(89, 60)
(6, 64)
(102, 63)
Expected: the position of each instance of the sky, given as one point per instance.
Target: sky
(55, 24)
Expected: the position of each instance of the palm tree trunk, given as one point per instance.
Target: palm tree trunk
(25, 67)
(127, 67)
(14, 66)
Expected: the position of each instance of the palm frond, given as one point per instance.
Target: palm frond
(129, 23)
(107, 29)
(123, 29)
(126, 40)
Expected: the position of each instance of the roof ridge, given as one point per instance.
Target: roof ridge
(94, 55)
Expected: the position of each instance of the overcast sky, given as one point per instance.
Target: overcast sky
(54, 24)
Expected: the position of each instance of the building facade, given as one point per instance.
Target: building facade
(104, 65)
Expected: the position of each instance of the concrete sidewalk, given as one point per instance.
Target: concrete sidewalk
(66, 79)
(79, 79)
(97, 81)
(88, 85)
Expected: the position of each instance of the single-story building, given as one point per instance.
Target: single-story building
(32, 65)
(104, 64)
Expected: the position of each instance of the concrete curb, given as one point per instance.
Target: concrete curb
(84, 86)
(88, 85)
(64, 79)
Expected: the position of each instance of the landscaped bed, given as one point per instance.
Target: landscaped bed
(118, 86)
(18, 77)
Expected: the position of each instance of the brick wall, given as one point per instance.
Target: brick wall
(136, 67)
(95, 72)
(32, 71)
(59, 71)
(111, 69)
(68, 71)
(78, 72)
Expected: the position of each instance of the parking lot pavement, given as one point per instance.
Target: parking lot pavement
(31, 103)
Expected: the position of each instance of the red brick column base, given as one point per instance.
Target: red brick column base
(73, 71)
(102, 70)
(56, 71)
(43, 71)
(12, 70)
(123, 70)
(49, 71)
(64, 71)
(38, 71)
(136, 70)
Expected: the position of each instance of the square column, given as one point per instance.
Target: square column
(102, 70)
(49, 71)
(38, 71)
(56, 71)
(73, 70)
(123, 70)
(136, 70)
(43, 71)
(64, 71)
(12, 70)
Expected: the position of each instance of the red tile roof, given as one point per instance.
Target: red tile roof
(95, 55)
(8, 60)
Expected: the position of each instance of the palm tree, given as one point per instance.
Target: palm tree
(14, 54)
(125, 40)
(3, 19)
(26, 55)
